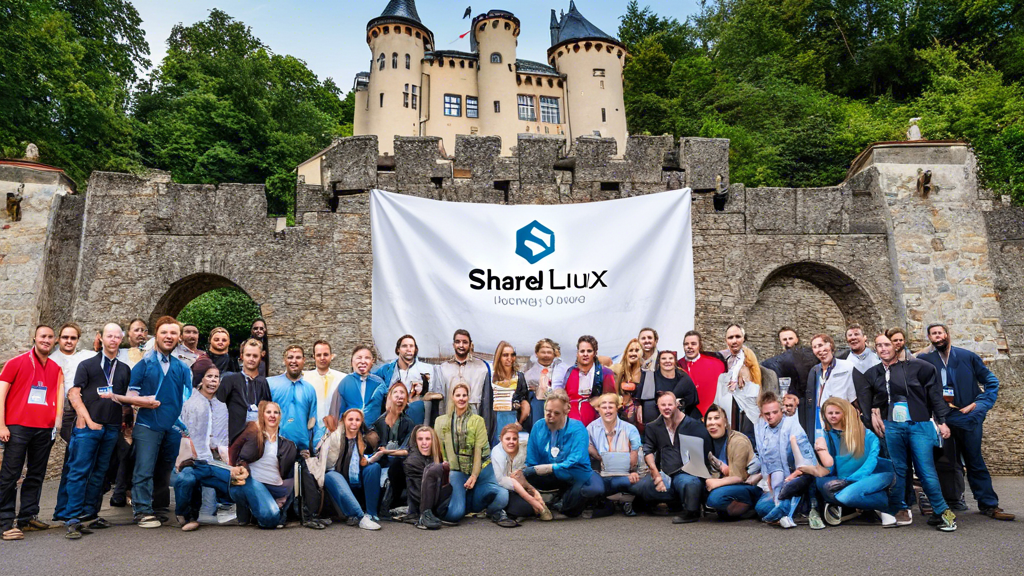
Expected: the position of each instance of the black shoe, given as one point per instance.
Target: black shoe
(118, 502)
(353, 521)
(935, 519)
(314, 524)
(428, 521)
(958, 505)
(100, 524)
(501, 519)
(687, 518)
(74, 531)
(627, 509)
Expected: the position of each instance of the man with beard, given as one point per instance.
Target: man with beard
(464, 367)
(138, 333)
(971, 390)
(409, 370)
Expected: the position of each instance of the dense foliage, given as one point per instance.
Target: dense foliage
(800, 87)
(227, 307)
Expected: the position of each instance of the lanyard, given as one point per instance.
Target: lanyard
(825, 375)
(113, 367)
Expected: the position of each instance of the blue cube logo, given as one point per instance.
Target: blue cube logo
(534, 242)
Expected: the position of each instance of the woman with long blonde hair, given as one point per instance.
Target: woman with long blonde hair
(851, 476)
(262, 475)
(354, 476)
(510, 394)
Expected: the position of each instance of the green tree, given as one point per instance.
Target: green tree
(229, 308)
(66, 72)
(222, 107)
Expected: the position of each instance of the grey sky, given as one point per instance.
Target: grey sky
(329, 35)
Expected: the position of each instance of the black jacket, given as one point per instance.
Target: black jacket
(682, 386)
(666, 454)
(244, 451)
(234, 393)
(923, 391)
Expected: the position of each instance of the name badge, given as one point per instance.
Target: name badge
(252, 413)
(102, 390)
(554, 452)
(37, 395)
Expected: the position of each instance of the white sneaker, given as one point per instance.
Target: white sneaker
(226, 515)
(367, 523)
(787, 522)
(888, 520)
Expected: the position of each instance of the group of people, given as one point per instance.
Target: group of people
(816, 436)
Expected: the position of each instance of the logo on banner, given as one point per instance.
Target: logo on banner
(534, 242)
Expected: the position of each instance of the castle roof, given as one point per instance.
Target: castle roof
(531, 67)
(398, 12)
(573, 26)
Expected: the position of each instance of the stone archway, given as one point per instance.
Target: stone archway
(185, 290)
(811, 297)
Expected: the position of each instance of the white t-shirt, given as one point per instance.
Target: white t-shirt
(69, 365)
(266, 469)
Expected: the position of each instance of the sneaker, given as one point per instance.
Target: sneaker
(787, 522)
(958, 505)
(998, 514)
(353, 521)
(814, 520)
(627, 509)
(904, 518)
(934, 520)
(428, 521)
(74, 531)
(226, 514)
(776, 513)
(948, 523)
(368, 524)
(99, 524)
(315, 524)
(833, 515)
(546, 516)
(888, 520)
(149, 521)
(501, 519)
(33, 524)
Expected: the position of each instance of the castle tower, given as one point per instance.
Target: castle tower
(389, 100)
(592, 62)
(495, 35)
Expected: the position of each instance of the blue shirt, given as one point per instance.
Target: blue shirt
(846, 466)
(348, 396)
(566, 449)
(170, 386)
(774, 449)
(625, 434)
(298, 406)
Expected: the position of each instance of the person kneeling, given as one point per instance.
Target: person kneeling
(615, 444)
(781, 440)
(263, 474)
(664, 457)
(851, 476)
(735, 493)
(353, 475)
(426, 477)
(509, 461)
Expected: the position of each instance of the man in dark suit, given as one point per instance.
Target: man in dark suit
(971, 390)
(795, 363)
(94, 437)
(243, 391)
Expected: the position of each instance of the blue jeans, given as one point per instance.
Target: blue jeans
(88, 459)
(619, 484)
(254, 497)
(684, 487)
(968, 448)
(192, 478)
(155, 452)
(871, 493)
(486, 493)
(913, 441)
(790, 494)
(344, 495)
(720, 498)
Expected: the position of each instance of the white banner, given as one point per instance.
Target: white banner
(521, 273)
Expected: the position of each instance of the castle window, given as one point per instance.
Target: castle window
(408, 61)
(405, 97)
(599, 72)
(387, 30)
(549, 111)
(381, 99)
(452, 105)
(529, 81)
(604, 116)
(508, 26)
(496, 58)
(470, 63)
(527, 111)
(408, 31)
(415, 96)
(497, 106)
(602, 84)
(380, 61)
(417, 35)
(472, 107)
(394, 60)
(462, 63)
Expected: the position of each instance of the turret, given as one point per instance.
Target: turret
(495, 36)
(392, 103)
(592, 62)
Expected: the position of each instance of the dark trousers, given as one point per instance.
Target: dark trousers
(83, 475)
(122, 466)
(967, 450)
(950, 470)
(517, 507)
(575, 493)
(26, 444)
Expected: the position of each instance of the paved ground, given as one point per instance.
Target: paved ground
(604, 546)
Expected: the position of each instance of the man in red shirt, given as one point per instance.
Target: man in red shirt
(704, 369)
(31, 399)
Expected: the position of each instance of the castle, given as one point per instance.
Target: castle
(413, 89)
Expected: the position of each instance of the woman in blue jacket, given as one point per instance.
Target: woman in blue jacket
(850, 477)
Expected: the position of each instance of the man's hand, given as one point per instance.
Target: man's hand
(724, 469)
(5, 434)
(634, 477)
(659, 484)
(943, 431)
(877, 423)
(794, 475)
(92, 425)
(149, 402)
(470, 482)
(79, 423)
(304, 453)
(712, 483)
(968, 409)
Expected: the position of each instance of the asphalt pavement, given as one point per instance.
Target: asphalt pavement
(644, 544)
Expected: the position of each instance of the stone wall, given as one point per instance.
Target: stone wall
(1006, 246)
(1004, 425)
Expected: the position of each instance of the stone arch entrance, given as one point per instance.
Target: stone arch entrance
(187, 289)
(811, 297)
